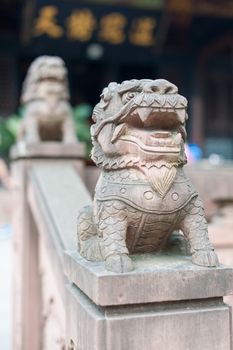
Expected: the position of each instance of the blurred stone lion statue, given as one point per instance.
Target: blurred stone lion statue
(45, 96)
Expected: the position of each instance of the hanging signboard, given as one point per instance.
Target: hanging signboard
(71, 26)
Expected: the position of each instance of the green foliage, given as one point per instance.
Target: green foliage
(6, 139)
(82, 115)
(8, 132)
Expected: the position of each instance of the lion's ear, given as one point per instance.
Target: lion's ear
(103, 103)
(107, 94)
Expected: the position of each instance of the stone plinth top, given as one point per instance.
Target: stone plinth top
(22, 150)
(156, 278)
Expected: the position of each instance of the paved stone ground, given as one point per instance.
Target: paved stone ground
(5, 271)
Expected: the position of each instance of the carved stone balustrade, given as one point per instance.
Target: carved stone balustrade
(154, 301)
(39, 304)
(165, 302)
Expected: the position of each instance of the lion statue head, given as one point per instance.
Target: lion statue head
(47, 75)
(141, 124)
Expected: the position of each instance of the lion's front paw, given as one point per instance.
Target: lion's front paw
(205, 258)
(119, 263)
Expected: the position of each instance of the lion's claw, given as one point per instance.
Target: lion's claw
(119, 263)
(205, 258)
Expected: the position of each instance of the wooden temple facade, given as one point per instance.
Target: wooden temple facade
(189, 42)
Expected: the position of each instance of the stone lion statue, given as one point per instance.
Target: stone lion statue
(45, 95)
(143, 194)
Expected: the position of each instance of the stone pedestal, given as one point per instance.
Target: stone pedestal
(166, 303)
(29, 286)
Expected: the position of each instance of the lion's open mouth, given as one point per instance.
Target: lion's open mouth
(152, 129)
(51, 79)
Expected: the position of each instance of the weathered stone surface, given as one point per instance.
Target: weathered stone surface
(60, 189)
(52, 302)
(156, 278)
(170, 326)
(143, 194)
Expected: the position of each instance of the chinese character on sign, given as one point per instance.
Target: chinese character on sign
(142, 31)
(46, 23)
(80, 25)
(112, 28)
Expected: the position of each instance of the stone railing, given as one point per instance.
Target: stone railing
(48, 194)
(63, 301)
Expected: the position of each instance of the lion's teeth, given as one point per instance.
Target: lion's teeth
(119, 130)
(181, 113)
(150, 100)
(177, 139)
(144, 113)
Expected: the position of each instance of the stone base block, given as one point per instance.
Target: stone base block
(191, 325)
(166, 303)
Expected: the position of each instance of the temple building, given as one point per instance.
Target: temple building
(188, 42)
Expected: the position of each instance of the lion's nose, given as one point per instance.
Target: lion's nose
(160, 86)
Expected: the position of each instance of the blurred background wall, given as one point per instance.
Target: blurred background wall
(189, 42)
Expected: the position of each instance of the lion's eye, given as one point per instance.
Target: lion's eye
(128, 96)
